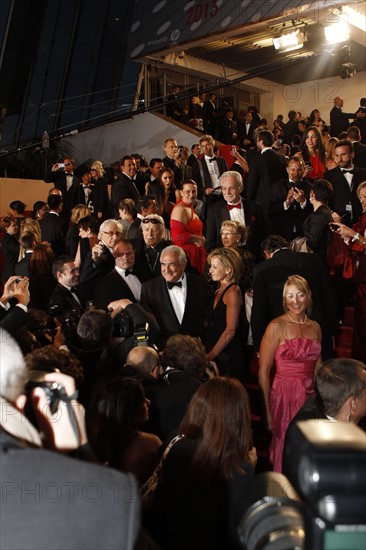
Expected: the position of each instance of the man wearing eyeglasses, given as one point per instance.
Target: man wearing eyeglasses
(122, 281)
(149, 247)
(99, 261)
(62, 176)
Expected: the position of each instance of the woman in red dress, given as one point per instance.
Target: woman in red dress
(313, 151)
(186, 227)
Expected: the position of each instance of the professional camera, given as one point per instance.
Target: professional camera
(322, 502)
(68, 318)
(141, 334)
(122, 324)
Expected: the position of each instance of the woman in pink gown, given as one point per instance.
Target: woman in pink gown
(186, 227)
(293, 341)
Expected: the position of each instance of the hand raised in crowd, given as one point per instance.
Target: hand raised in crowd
(65, 429)
(8, 291)
(97, 251)
(118, 305)
(21, 290)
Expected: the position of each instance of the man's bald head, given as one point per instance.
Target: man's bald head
(144, 359)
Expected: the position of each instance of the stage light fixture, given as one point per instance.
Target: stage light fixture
(290, 41)
(338, 32)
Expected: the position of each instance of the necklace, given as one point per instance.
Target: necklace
(298, 322)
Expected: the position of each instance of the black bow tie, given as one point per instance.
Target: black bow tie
(172, 285)
(348, 171)
(211, 160)
(128, 272)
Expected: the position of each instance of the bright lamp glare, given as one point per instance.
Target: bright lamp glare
(290, 41)
(339, 32)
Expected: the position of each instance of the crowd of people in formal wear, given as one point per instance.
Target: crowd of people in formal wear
(153, 291)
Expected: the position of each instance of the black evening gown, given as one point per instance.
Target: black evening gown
(231, 360)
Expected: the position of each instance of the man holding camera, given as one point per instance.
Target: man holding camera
(75, 496)
(62, 176)
(290, 205)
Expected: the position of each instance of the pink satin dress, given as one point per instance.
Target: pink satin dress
(293, 383)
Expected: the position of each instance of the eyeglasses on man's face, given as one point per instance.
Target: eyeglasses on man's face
(112, 233)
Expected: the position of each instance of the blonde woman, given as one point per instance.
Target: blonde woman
(224, 339)
(100, 197)
(293, 342)
(72, 237)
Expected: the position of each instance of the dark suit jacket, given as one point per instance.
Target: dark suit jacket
(111, 287)
(123, 188)
(200, 168)
(317, 231)
(243, 134)
(225, 130)
(284, 221)
(21, 268)
(290, 130)
(12, 319)
(10, 249)
(97, 496)
(360, 154)
(91, 273)
(269, 278)
(191, 160)
(155, 298)
(169, 163)
(70, 197)
(342, 194)
(65, 302)
(264, 170)
(54, 231)
(142, 266)
(339, 121)
(253, 219)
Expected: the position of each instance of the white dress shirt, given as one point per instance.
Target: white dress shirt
(237, 214)
(178, 296)
(132, 282)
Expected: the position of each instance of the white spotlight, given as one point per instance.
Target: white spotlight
(339, 32)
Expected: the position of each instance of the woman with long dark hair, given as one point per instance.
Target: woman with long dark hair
(209, 471)
(119, 408)
(41, 280)
(313, 151)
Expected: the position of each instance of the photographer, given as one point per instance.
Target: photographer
(100, 354)
(39, 483)
(170, 381)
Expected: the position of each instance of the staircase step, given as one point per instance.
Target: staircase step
(344, 336)
(348, 318)
(343, 352)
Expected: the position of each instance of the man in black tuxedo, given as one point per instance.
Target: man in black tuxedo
(206, 171)
(246, 128)
(122, 281)
(171, 151)
(345, 179)
(62, 176)
(195, 152)
(361, 122)
(269, 279)
(264, 170)
(124, 187)
(65, 303)
(176, 298)
(354, 135)
(339, 121)
(291, 128)
(290, 205)
(226, 128)
(149, 247)
(54, 228)
(235, 208)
